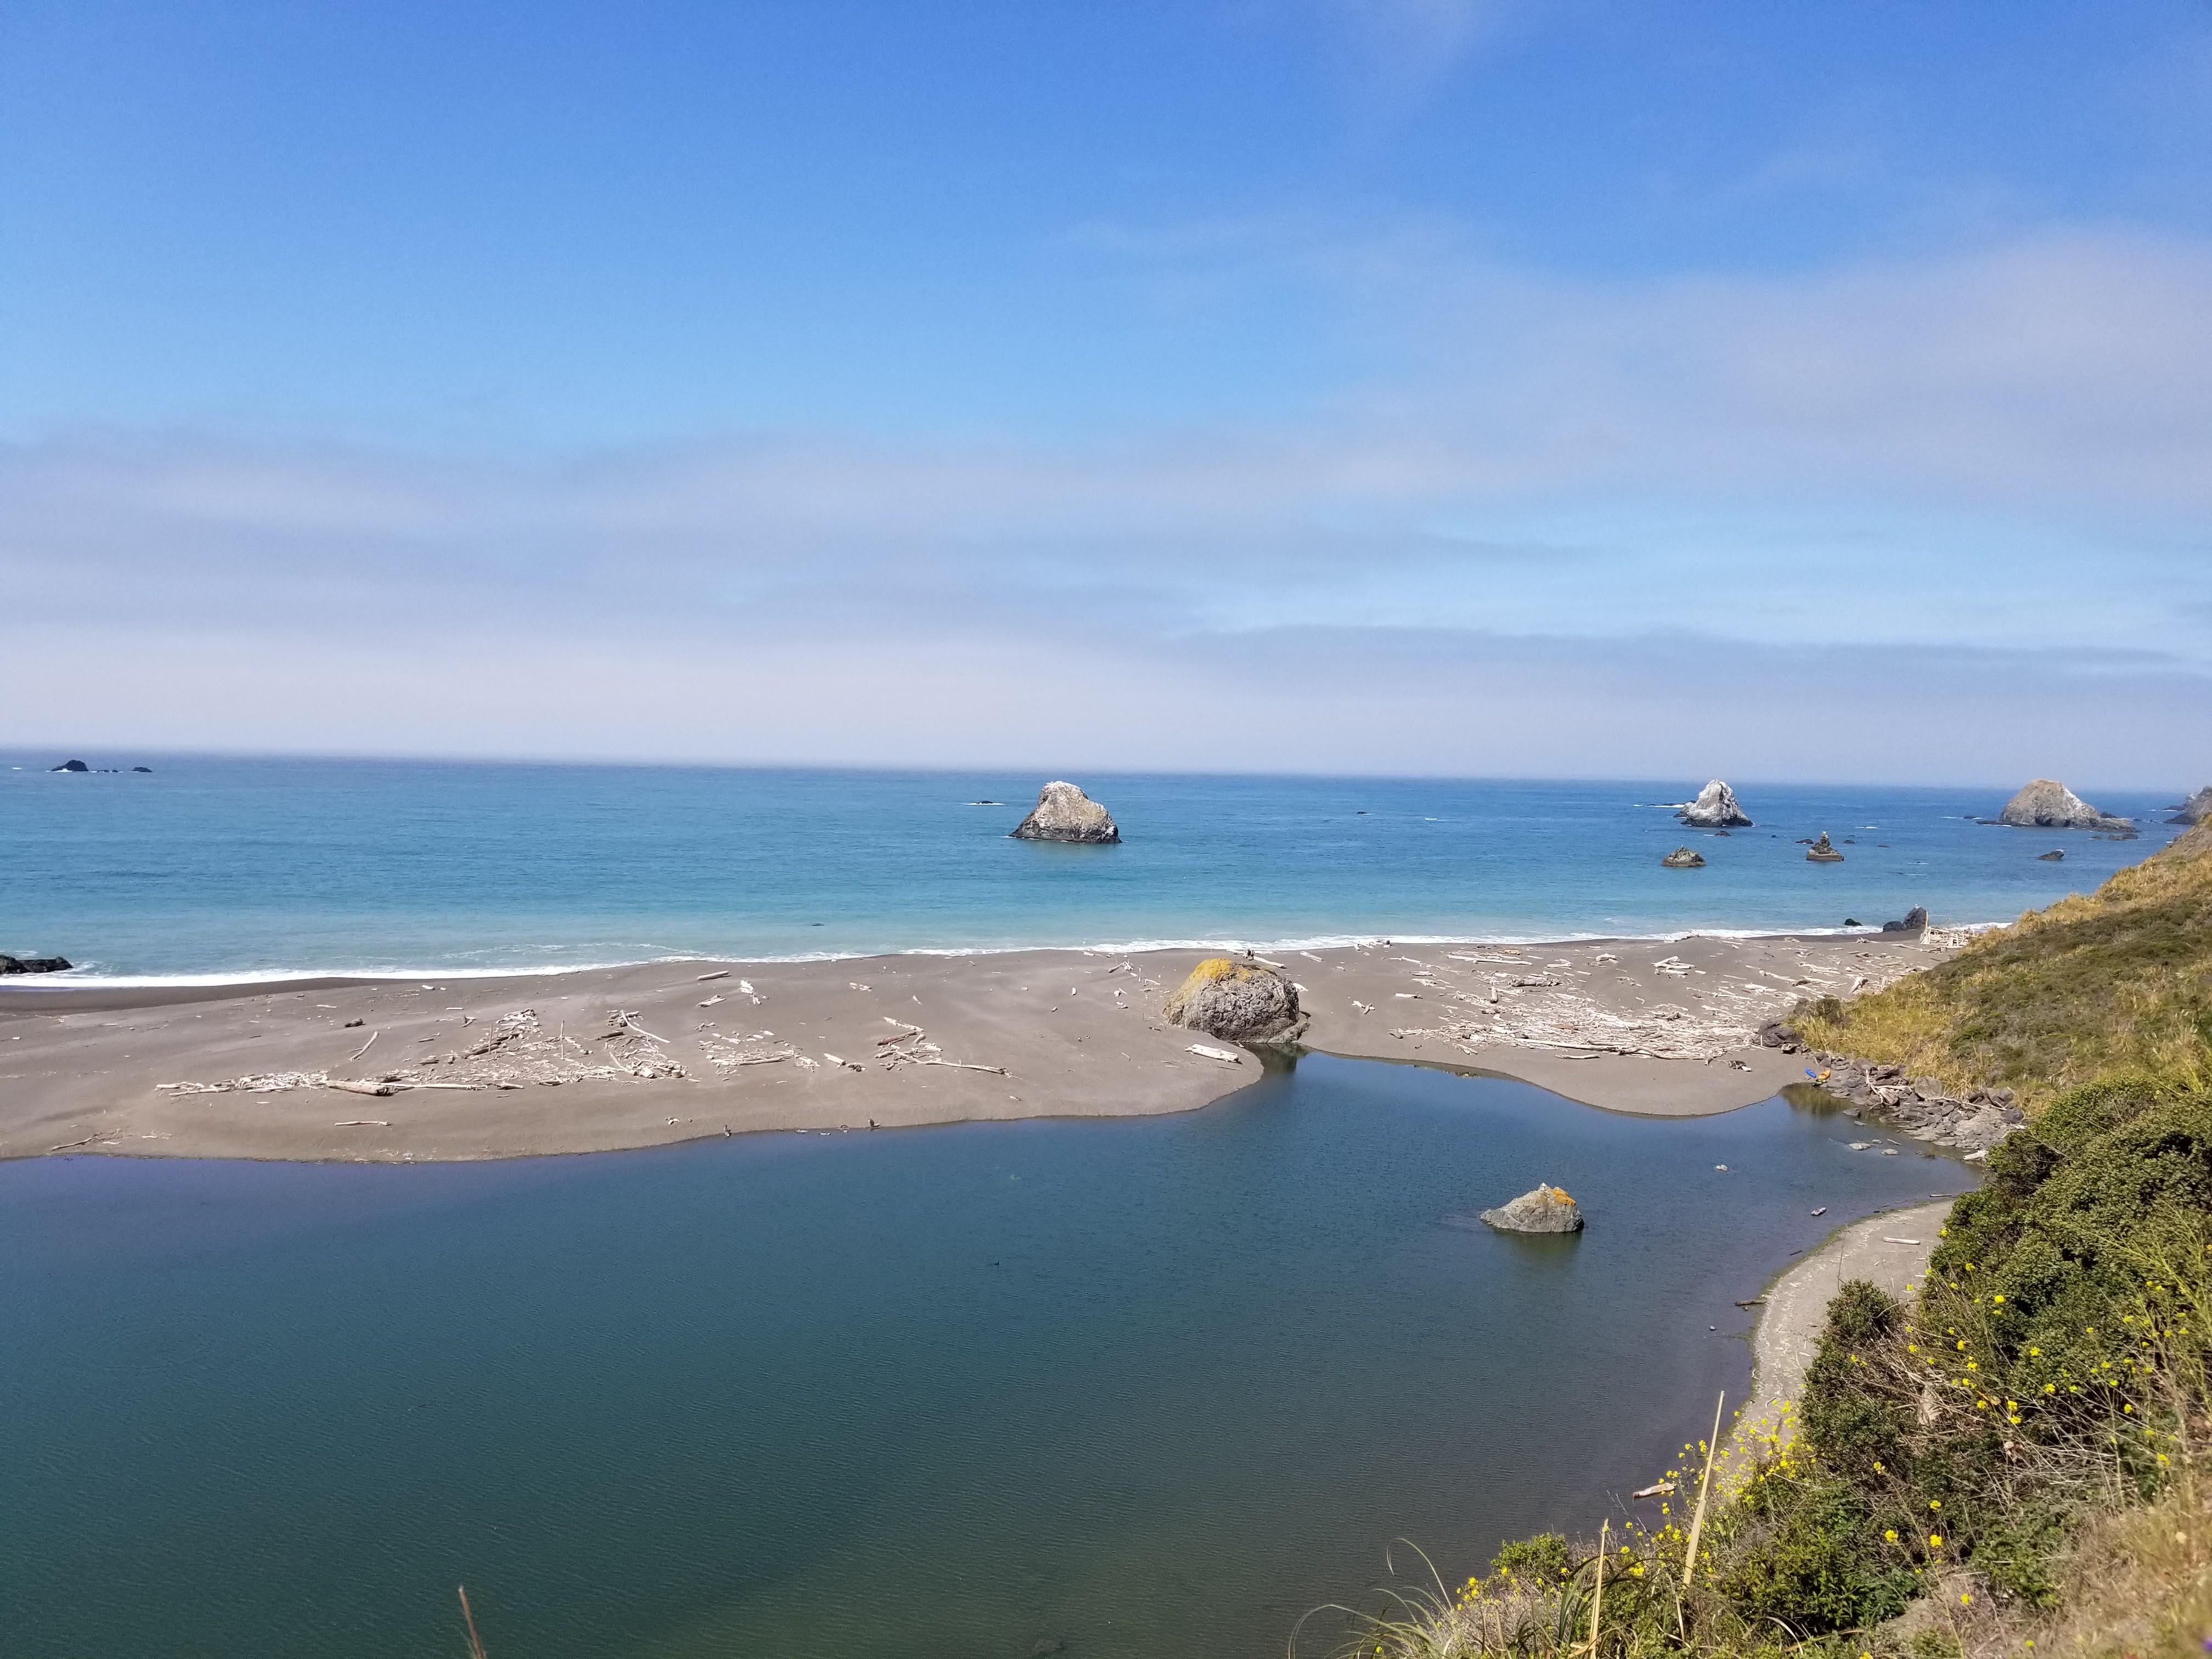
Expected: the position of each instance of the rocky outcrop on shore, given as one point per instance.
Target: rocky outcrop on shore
(34, 964)
(2197, 809)
(1244, 1001)
(1684, 858)
(1064, 812)
(1545, 1210)
(1715, 808)
(1973, 1121)
(1915, 921)
(2047, 804)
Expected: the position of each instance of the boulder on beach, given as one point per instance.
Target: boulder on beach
(1823, 851)
(1684, 858)
(1244, 1001)
(1064, 812)
(33, 964)
(1547, 1210)
(1916, 921)
(1715, 808)
(2047, 804)
(2197, 809)
(70, 766)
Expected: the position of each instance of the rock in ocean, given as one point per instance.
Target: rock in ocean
(2047, 804)
(2197, 809)
(70, 766)
(1243, 1001)
(1823, 851)
(1064, 812)
(1683, 857)
(1715, 808)
(33, 964)
(1547, 1210)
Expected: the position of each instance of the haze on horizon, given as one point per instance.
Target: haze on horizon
(1468, 387)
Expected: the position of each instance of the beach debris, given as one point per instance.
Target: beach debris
(1543, 1209)
(1229, 1055)
(72, 1145)
(727, 1054)
(1723, 1168)
(719, 972)
(1754, 1303)
(839, 1060)
(1823, 1210)
(350, 1024)
(1657, 1489)
(1064, 812)
(711, 1002)
(1888, 1240)
(362, 1123)
(1244, 1001)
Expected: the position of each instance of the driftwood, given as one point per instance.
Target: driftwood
(363, 1049)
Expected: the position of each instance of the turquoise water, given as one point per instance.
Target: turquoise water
(1148, 1388)
(224, 866)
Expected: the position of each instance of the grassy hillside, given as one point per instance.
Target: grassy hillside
(2117, 981)
(2016, 1464)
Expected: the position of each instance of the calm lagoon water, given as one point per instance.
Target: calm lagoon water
(1149, 1388)
(226, 866)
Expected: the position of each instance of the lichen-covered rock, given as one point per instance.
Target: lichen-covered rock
(2047, 804)
(1715, 808)
(1547, 1210)
(1823, 851)
(1064, 812)
(1244, 1001)
(2197, 809)
(1684, 858)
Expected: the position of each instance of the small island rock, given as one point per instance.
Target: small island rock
(1684, 858)
(1547, 1210)
(2047, 804)
(2197, 809)
(1243, 1001)
(1823, 851)
(1064, 812)
(70, 766)
(34, 964)
(1715, 808)
(2052, 857)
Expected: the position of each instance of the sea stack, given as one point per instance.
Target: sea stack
(2047, 804)
(1243, 1001)
(1684, 858)
(70, 766)
(1064, 812)
(1715, 808)
(1547, 1210)
(2197, 809)
(1823, 851)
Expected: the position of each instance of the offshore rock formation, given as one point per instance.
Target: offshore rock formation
(2197, 809)
(1064, 812)
(2047, 804)
(1547, 1210)
(1715, 808)
(1683, 857)
(1823, 851)
(1243, 1001)
(70, 766)
(34, 964)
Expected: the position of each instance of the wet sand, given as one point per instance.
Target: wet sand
(644, 1055)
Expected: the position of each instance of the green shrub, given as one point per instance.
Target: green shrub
(1544, 1558)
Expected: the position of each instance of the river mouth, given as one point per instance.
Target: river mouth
(1149, 1388)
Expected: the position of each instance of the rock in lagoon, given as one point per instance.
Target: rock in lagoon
(1916, 921)
(2047, 804)
(2197, 809)
(1064, 812)
(1683, 857)
(34, 964)
(1241, 1001)
(1715, 808)
(70, 766)
(1823, 852)
(2051, 857)
(1547, 1210)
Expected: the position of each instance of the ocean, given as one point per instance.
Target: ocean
(222, 867)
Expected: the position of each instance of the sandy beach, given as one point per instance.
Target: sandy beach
(636, 1056)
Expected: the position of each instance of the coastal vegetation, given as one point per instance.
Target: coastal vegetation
(2012, 1461)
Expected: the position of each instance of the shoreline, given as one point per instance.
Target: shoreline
(592, 1059)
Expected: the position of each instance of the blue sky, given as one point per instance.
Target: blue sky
(1459, 386)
